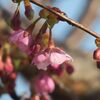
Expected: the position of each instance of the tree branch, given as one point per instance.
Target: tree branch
(68, 20)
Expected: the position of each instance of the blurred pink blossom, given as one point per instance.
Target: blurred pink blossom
(44, 84)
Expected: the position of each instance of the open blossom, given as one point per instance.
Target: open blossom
(22, 39)
(54, 56)
(43, 84)
(41, 61)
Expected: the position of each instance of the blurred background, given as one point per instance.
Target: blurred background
(84, 83)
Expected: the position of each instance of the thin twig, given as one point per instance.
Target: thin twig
(68, 20)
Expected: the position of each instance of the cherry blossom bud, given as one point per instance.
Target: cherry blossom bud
(29, 12)
(44, 84)
(69, 68)
(96, 54)
(15, 21)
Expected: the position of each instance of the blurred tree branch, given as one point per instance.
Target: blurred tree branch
(75, 36)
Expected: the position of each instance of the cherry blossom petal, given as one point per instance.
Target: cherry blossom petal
(57, 58)
(41, 61)
(21, 41)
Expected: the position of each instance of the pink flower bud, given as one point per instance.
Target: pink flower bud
(69, 68)
(29, 12)
(96, 54)
(15, 21)
(44, 84)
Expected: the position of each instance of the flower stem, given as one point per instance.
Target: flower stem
(50, 38)
(68, 20)
(31, 27)
(41, 32)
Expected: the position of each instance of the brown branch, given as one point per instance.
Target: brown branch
(87, 19)
(68, 20)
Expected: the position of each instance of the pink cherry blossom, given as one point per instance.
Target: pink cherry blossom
(55, 56)
(41, 61)
(22, 39)
(44, 84)
(58, 56)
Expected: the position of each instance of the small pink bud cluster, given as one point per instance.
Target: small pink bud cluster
(96, 56)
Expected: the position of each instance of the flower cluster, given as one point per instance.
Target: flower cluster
(40, 48)
(39, 59)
